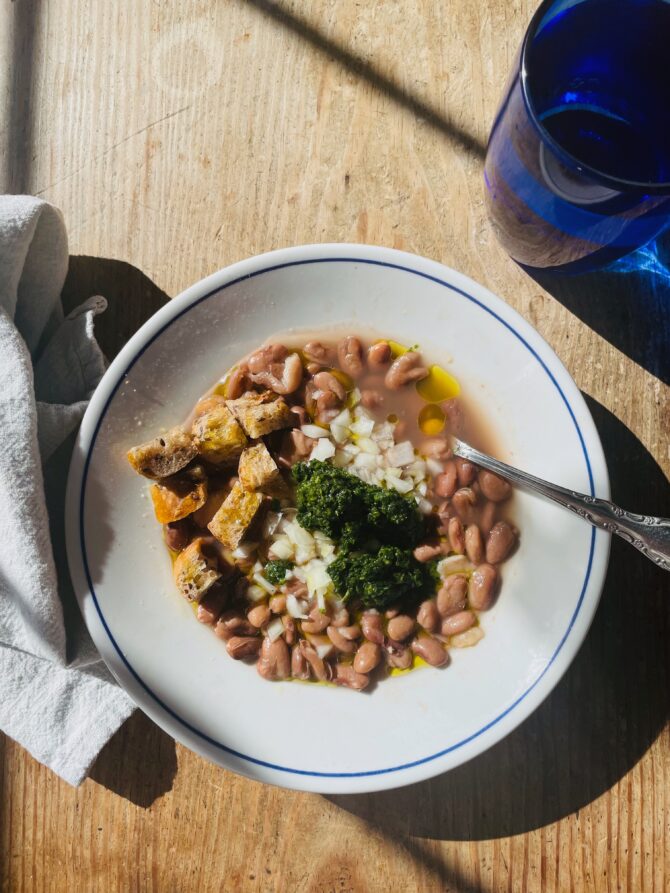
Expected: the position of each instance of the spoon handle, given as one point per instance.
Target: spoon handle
(650, 535)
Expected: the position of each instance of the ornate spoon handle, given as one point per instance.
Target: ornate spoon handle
(650, 535)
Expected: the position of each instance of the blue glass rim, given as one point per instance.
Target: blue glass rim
(570, 160)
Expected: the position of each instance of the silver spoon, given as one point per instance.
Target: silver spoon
(650, 535)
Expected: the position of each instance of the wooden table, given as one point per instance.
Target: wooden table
(179, 137)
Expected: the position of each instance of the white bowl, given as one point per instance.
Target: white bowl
(321, 738)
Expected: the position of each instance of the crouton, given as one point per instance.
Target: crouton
(195, 571)
(176, 498)
(233, 519)
(257, 469)
(259, 414)
(218, 437)
(207, 404)
(163, 456)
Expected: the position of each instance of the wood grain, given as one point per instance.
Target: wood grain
(178, 137)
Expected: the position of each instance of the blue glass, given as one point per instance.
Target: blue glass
(578, 163)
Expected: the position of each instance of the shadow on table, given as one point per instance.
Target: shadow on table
(628, 303)
(139, 762)
(367, 70)
(131, 297)
(598, 722)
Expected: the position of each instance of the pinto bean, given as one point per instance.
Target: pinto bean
(239, 647)
(428, 616)
(295, 446)
(371, 399)
(404, 370)
(474, 544)
(299, 416)
(350, 355)
(277, 604)
(398, 656)
(274, 662)
(456, 536)
(367, 657)
(326, 381)
(259, 615)
(493, 487)
(458, 623)
(391, 612)
(371, 625)
(320, 353)
(435, 448)
(427, 553)
(261, 360)
(452, 595)
(177, 535)
(446, 483)
(299, 666)
(231, 623)
(320, 669)
(482, 590)
(297, 587)
(463, 501)
(347, 676)
(352, 632)
(500, 542)
(467, 471)
(430, 650)
(237, 384)
(487, 517)
(317, 622)
(283, 377)
(340, 617)
(401, 627)
(379, 356)
(290, 634)
(339, 641)
(211, 605)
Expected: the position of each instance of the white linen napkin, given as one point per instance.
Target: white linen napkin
(57, 698)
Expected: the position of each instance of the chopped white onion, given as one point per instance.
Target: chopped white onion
(355, 397)
(400, 485)
(454, 564)
(314, 431)
(365, 460)
(424, 506)
(256, 593)
(343, 419)
(434, 467)
(275, 629)
(339, 433)
(260, 580)
(271, 523)
(281, 548)
(323, 449)
(367, 445)
(246, 550)
(296, 607)
(401, 454)
(362, 427)
(322, 645)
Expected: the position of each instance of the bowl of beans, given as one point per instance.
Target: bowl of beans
(278, 554)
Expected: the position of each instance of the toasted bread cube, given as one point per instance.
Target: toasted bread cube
(218, 436)
(163, 456)
(259, 414)
(235, 516)
(257, 469)
(194, 571)
(176, 498)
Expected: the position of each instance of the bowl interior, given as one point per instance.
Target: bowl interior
(309, 736)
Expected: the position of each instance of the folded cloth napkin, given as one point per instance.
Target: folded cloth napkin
(57, 698)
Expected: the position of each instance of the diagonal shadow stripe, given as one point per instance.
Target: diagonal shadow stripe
(363, 69)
